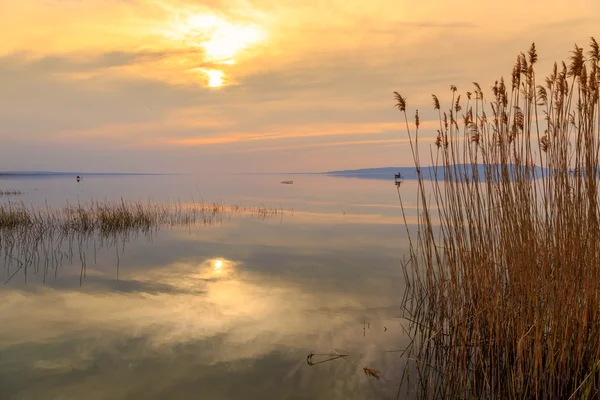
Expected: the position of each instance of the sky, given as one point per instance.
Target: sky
(189, 86)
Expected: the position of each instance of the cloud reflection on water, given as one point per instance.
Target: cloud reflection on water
(176, 326)
(227, 315)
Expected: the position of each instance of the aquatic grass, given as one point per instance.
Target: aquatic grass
(503, 278)
(122, 215)
(43, 238)
(10, 192)
(12, 216)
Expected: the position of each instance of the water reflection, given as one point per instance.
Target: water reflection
(221, 313)
(228, 317)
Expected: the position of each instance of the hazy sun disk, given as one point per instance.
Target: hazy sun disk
(215, 77)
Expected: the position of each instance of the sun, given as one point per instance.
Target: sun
(218, 264)
(215, 77)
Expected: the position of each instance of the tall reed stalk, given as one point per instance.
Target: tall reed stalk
(503, 279)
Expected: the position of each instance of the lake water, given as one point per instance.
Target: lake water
(224, 311)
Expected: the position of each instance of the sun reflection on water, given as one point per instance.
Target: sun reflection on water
(220, 267)
(220, 306)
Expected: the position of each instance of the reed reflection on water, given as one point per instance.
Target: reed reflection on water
(223, 310)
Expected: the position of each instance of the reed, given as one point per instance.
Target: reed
(10, 192)
(503, 297)
(41, 239)
(121, 215)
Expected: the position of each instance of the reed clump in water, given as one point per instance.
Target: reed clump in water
(42, 239)
(120, 216)
(10, 192)
(504, 276)
(12, 217)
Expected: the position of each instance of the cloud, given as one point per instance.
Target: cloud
(126, 87)
(82, 62)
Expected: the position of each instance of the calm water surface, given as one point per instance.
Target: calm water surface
(227, 311)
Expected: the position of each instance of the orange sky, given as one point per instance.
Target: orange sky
(242, 85)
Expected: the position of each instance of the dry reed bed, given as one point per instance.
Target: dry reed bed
(10, 192)
(118, 216)
(503, 295)
(43, 238)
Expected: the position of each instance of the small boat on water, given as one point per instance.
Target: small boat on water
(398, 179)
(78, 178)
(287, 182)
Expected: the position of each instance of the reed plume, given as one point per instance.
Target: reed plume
(503, 281)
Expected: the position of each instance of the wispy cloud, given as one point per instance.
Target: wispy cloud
(315, 77)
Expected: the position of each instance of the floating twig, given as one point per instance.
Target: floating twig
(332, 356)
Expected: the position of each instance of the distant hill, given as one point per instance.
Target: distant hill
(410, 173)
(377, 173)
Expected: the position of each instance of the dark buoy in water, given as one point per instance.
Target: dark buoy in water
(78, 178)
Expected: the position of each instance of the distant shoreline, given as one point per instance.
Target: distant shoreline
(427, 172)
(27, 174)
